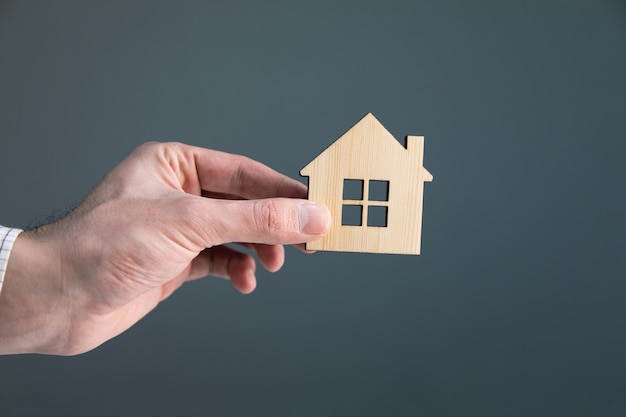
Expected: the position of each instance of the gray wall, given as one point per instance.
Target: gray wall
(517, 305)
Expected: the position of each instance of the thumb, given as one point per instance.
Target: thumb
(274, 221)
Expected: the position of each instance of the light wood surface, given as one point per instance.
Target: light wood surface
(369, 152)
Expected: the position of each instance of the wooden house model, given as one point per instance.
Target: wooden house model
(373, 187)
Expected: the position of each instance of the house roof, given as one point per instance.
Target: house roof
(364, 130)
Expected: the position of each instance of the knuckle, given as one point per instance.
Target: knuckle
(241, 173)
(148, 147)
(269, 217)
(160, 148)
(171, 147)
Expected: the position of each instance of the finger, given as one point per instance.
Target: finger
(224, 262)
(193, 169)
(215, 262)
(275, 221)
(241, 270)
(272, 257)
(226, 173)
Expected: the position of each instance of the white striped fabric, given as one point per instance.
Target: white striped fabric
(7, 238)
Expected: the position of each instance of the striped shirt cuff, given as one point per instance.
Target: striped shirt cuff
(7, 238)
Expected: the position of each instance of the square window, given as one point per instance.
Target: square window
(379, 190)
(353, 189)
(377, 216)
(351, 215)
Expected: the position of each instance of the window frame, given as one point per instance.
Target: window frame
(365, 202)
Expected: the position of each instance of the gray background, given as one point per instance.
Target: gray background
(517, 305)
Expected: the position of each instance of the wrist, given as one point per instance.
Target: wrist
(34, 308)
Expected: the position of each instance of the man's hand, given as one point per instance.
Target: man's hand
(158, 219)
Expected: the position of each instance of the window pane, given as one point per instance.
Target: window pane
(379, 190)
(377, 216)
(351, 215)
(353, 189)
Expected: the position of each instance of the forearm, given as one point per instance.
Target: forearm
(34, 313)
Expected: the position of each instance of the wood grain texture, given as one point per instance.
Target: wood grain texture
(369, 152)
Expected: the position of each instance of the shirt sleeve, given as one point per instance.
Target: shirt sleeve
(7, 238)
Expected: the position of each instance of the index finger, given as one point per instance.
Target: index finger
(220, 172)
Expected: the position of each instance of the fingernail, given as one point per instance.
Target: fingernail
(314, 218)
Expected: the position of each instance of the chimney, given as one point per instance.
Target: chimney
(415, 148)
